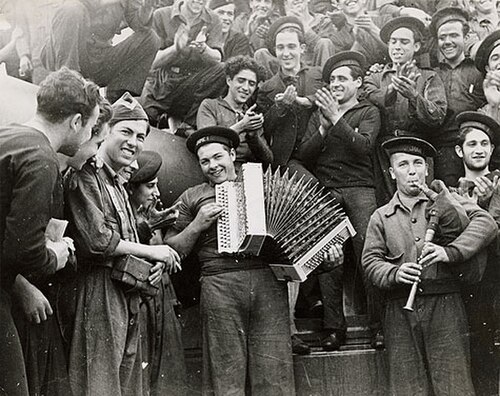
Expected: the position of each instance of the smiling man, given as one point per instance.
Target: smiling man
(244, 309)
(104, 228)
(463, 85)
(409, 98)
(243, 75)
(428, 348)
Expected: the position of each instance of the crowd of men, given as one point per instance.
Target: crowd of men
(373, 99)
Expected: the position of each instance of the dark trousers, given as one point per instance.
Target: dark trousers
(428, 349)
(246, 334)
(12, 371)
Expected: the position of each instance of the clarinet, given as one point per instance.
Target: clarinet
(429, 236)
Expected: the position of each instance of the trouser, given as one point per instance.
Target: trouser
(180, 94)
(428, 349)
(12, 371)
(359, 203)
(246, 334)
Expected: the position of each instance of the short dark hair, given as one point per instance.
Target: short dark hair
(65, 93)
(241, 62)
(462, 135)
(105, 114)
(356, 72)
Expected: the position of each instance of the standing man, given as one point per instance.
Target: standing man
(81, 35)
(103, 226)
(287, 99)
(244, 309)
(243, 75)
(463, 86)
(478, 136)
(410, 99)
(67, 108)
(428, 349)
(337, 148)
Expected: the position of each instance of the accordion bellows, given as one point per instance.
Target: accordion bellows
(301, 218)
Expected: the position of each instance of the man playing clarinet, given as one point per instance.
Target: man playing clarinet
(428, 348)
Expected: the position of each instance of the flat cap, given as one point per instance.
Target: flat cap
(344, 58)
(279, 25)
(409, 145)
(483, 52)
(483, 122)
(149, 164)
(415, 24)
(445, 15)
(213, 134)
(214, 4)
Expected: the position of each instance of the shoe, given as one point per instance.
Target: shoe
(299, 347)
(378, 340)
(333, 341)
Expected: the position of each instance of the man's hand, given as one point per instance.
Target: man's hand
(485, 187)
(365, 22)
(181, 37)
(416, 13)
(433, 254)
(405, 86)
(491, 88)
(408, 273)
(156, 272)
(262, 30)
(328, 105)
(207, 215)
(61, 251)
(334, 254)
(375, 68)
(200, 43)
(252, 121)
(33, 303)
(288, 97)
(164, 253)
(25, 66)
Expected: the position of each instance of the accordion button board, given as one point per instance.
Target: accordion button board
(302, 219)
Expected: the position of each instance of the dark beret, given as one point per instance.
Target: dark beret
(409, 145)
(483, 122)
(214, 4)
(445, 15)
(213, 134)
(483, 52)
(127, 108)
(408, 22)
(149, 163)
(279, 25)
(344, 58)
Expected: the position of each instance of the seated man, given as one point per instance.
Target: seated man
(235, 43)
(244, 309)
(337, 148)
(427, 348)
(188, 68)
(80, 38)
(287, 99)
(243, 75)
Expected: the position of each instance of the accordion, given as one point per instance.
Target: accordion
(299, 218)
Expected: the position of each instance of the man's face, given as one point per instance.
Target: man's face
(409, 171)
(296, 7)
(351, 7)
(494, 59)
(476, 150)
(196, 6)
(124, 143)
(226, 15)
(451, 40)
(242, 85)
(288, 50)
(88, 149)
(484, 6)
(78, 133)
(402, 46)
(216, 162)
(261, 8)
(342, 85)
(145, 194)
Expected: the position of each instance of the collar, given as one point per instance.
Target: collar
(465, 62)
(396, 203)
(222, 102)
(176, 12)
(302, 69)
(99, 165)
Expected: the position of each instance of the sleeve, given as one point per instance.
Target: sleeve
(159, 16)
(312, 143)
(138, 14)
(185, 216)
(259, 147)
(238, 45)
(478, 234)
(206, 116)
(377, 93)
(96, 232)
(35, 177)
(430, 105)
(379, 271)
(361, 141)
(215, 39)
